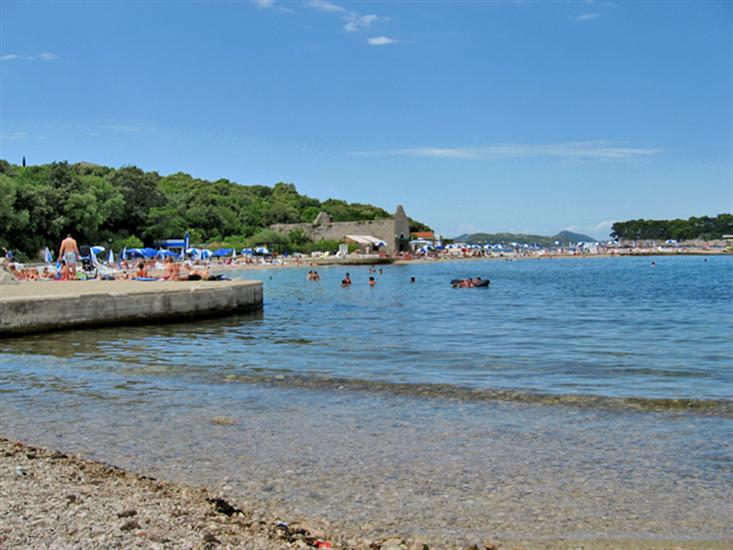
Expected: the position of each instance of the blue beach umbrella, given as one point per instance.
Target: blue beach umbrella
(166, 254)
(111, 257)
(123, 254)
(47, 257)
(142, 252)
(247, 251)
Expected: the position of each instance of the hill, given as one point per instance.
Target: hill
(702, 227)
(564, 237)
(128, 207)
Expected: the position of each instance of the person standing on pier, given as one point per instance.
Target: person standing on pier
(69, 252)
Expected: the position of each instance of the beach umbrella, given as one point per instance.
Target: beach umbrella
(167, 254)
(262, 250)
(205, 254)
(97, 249)
(247, 251)
(142, 252)
(221, 252)
(234, 253)
(380, 244)
(110, 257)
(123, 254)
(47, 256)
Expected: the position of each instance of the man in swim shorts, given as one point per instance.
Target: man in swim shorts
(69, 252)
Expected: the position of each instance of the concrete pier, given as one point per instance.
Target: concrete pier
(32, 307)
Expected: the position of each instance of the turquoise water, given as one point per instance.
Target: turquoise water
(569, 391)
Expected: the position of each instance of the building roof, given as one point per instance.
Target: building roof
(364, 239)
(423, 235)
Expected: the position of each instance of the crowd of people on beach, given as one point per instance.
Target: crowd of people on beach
(69, 267)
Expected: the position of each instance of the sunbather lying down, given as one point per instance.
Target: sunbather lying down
(173, 272)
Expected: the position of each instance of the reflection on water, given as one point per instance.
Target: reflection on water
(579, 398)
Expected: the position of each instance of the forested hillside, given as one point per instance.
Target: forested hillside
(40, 204)
(563, 237)
(703, 227)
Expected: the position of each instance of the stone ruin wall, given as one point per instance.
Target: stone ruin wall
(381, 229)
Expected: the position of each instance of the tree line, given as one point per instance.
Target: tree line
(129, 207)
(703, 227)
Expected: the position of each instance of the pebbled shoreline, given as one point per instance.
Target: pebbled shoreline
(49, 499)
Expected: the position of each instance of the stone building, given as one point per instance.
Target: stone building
(394, 231)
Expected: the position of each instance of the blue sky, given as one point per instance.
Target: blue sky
(477, 116)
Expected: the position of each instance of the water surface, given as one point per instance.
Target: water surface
(573, 398)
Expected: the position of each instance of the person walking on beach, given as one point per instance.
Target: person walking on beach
(69, 252)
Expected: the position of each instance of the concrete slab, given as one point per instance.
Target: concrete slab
(42, 306)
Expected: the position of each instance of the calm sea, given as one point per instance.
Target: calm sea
(574, 398)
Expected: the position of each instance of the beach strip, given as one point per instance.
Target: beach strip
(50, 499)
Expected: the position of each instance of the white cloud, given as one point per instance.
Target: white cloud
(16, 136)
(121, 128)
(604, 225)
(356, 22)
(45, 56)
(588, 16)
(326, 6)
(381, 41)
(264, 4)
(577, 150)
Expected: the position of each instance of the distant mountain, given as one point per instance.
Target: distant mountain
(564, 237)
(573, 237)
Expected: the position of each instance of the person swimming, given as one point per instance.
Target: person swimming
(372, 282)
(346, 281)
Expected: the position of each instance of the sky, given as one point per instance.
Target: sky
(476, 116)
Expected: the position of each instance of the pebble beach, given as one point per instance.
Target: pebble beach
(49, 499)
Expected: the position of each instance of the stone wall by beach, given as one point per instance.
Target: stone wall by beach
(392, 231)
